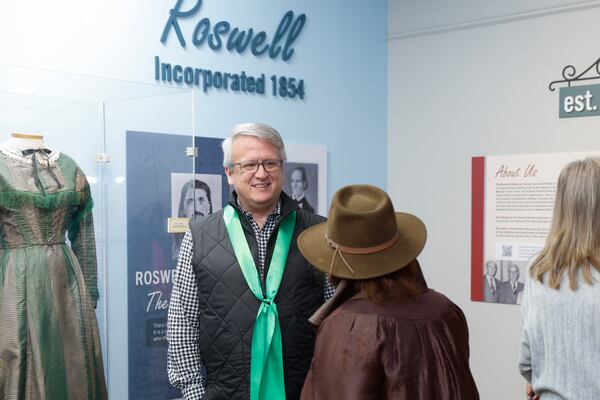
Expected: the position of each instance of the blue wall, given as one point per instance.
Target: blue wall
(341, 54)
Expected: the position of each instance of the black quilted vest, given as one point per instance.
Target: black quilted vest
(228, 308)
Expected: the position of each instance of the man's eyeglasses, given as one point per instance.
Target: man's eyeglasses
(250, 167)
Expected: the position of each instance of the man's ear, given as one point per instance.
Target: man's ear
(229, 173)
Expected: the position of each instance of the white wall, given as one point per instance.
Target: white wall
(469, 92)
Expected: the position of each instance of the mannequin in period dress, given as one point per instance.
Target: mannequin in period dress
(49, 340)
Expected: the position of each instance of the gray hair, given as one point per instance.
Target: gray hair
(260, 131)
(490, 263)
(573, 242)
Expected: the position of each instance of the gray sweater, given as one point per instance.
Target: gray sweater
(560, 341)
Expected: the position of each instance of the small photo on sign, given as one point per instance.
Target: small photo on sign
(302, 184)
(504, 280)
(193, 196)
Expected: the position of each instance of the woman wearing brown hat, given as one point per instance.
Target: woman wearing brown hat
(384, 335)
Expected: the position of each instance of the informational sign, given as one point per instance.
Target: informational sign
(161, 185)
(512, 205)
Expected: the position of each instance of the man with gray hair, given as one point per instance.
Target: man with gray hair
(510, 290)
(238, 318)
(491, 284)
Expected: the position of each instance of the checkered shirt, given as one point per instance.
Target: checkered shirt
(262, 235)
(184, 365)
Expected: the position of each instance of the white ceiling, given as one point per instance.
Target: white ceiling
(410, 17)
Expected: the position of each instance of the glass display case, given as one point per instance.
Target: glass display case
(122, 134)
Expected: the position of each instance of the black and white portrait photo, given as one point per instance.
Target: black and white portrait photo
(503, 281)
(193, 196)
(302, 184)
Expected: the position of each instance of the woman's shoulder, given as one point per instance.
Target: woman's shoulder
(424, 306)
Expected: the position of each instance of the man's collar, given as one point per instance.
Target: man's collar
(286, 202)
(276, 212)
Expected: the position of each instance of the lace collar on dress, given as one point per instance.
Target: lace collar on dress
(17, 155)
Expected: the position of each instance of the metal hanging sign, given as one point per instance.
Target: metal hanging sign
(579, 100)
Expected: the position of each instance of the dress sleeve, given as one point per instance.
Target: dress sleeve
(81, 236)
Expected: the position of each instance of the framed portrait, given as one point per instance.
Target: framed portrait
(306, 176)
(199, 194)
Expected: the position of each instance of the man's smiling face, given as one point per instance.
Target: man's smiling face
(260, 190)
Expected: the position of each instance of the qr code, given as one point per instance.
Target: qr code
(507, 251)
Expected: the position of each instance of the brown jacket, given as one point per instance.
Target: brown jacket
(416, 348)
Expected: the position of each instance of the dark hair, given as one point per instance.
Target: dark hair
(197, 184)
(406, 282)
(302, 171)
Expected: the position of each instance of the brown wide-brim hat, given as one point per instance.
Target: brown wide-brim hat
(363, 237)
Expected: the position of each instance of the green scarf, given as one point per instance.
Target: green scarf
(266, 360)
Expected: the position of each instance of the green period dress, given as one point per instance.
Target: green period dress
(49, 342)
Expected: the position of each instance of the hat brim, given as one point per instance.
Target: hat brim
(412, 237)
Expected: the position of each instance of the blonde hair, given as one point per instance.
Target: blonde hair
(573, 243)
